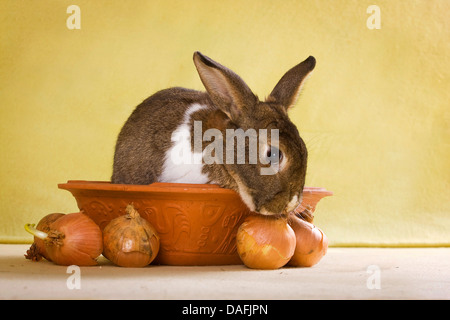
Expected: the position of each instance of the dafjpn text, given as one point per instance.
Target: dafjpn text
(238, 309)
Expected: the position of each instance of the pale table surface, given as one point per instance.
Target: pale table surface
(344, 273)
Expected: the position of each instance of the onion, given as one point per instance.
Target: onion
(37, 249)
(265, 242)
(130, 240)
(74, 239)
(312, 243)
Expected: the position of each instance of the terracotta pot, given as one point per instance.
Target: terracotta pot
(311, 196)
(197, 223)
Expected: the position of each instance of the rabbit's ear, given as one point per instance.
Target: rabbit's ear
(227, 90)
(288, 88)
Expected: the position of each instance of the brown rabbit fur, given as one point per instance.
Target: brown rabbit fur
(146, 139)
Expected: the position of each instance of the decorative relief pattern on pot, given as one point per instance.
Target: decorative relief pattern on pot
(171, 223)
(99, 211)
(211, 213)
(231, 223)
(181, 229)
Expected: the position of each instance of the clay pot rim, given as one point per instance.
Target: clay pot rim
(164, 187)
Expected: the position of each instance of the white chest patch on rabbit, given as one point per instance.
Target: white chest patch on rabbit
(181, 164)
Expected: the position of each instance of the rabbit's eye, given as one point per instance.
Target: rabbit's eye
(274, 155)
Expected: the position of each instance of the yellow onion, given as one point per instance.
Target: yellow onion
(37, 249)
(265, 242)
(312, 243)
(130, 240)
(74, 239)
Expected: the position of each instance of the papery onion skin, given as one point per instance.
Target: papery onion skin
(312, 243)
(37, 249)
(265, 242)
(74, 239)
(130, 240)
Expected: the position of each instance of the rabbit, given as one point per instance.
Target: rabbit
(147, 142)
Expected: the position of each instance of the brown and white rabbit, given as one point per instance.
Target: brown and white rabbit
(148, 140)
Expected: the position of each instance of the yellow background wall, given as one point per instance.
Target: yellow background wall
(375, 114)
